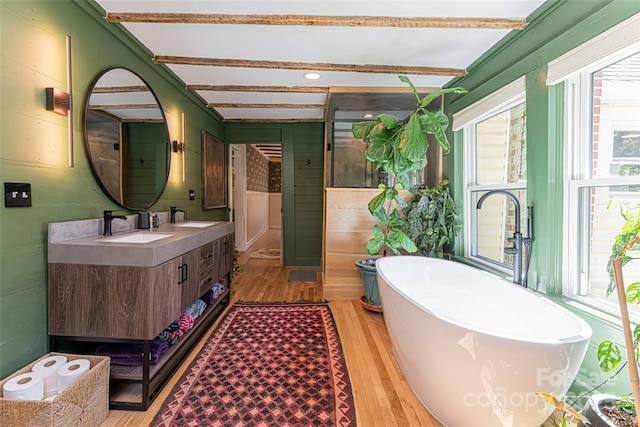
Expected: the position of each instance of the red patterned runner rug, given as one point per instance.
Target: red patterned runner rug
(263, 366)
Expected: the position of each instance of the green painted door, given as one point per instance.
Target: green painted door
(302, 183)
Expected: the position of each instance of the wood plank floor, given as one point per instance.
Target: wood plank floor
(382, 396)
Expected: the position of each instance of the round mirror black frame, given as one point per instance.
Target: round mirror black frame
(116, 140)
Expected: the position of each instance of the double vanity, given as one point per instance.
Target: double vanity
(115, 282)
(128, 287)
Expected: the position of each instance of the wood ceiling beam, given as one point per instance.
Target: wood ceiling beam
(122, 106)
(316, 66)
(119, 89)
(320, 21)
(320, 120)
(142, 121)
(248, 105)
(236, 88)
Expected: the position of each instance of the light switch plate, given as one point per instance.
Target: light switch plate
(17, 195)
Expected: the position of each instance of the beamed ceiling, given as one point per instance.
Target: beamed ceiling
(247, 59)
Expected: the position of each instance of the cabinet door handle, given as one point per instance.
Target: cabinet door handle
(181, 274)
(186, 272)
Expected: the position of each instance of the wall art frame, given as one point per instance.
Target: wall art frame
(214, 171)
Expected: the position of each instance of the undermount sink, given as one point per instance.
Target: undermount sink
(138, 238)
(198, 224)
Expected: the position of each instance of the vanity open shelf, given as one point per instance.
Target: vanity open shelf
(92, 304)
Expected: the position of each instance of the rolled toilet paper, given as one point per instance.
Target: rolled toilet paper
(49, 368)
(70, 372)
(27, 386)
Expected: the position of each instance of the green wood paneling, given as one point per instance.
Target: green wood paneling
(33, 149)
(309, 182)
(558, 27)
(302, 183)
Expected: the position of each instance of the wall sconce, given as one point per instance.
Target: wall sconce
(178, 147)
(61, 102)
(57, 101)
(184, 157)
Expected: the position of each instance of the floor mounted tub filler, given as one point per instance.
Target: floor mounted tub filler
(475, 348)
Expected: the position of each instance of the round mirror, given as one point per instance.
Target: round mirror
(126, 138)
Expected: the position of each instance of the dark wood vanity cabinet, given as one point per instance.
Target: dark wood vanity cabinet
(108, 303)
(223, 261)
(113, 301)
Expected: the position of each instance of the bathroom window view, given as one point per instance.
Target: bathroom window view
(608, 169)
(498, 155)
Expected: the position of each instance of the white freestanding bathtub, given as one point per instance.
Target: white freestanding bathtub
(475, 348)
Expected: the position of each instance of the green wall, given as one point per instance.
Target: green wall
(554, 29)
(302, 183)
(33, 149)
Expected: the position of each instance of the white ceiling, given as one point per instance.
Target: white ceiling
(336, 46)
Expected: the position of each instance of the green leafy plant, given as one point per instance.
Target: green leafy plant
(235, 267)
(432, 219)
(400, 149)
(610, 354)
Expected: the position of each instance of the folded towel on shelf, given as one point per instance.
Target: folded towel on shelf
(174, 332)
(202, 306)
(217, 289)
(131, 354)
(208, 297)
(193, 310)
(164, 335)
(186, 322)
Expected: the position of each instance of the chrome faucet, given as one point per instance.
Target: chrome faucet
(172, 212)
(518, 241)
(108, 218)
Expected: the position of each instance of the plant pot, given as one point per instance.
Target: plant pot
(593, 410)
(369, 277)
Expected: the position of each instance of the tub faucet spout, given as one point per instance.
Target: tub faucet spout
(517, 249)
(108, 219)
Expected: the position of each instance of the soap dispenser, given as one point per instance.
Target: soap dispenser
(143, 218)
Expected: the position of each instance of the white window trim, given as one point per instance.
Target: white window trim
(623, 38)
(574, 72)
(509, 96)
(488, 105)
(574, 239)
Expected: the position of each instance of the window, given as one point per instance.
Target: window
(495, 143)
(603, 164)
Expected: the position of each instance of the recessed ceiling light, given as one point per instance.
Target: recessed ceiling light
(368, 116)
(312, 76)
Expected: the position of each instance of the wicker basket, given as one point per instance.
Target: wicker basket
(84, 403)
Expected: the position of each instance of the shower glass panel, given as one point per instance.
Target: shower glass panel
(350, 169)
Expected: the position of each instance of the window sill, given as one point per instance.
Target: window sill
(599, 311)
(596, 310)
(484, 267)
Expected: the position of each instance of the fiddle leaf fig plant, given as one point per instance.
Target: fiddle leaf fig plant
(400, 149)
(393, 235)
